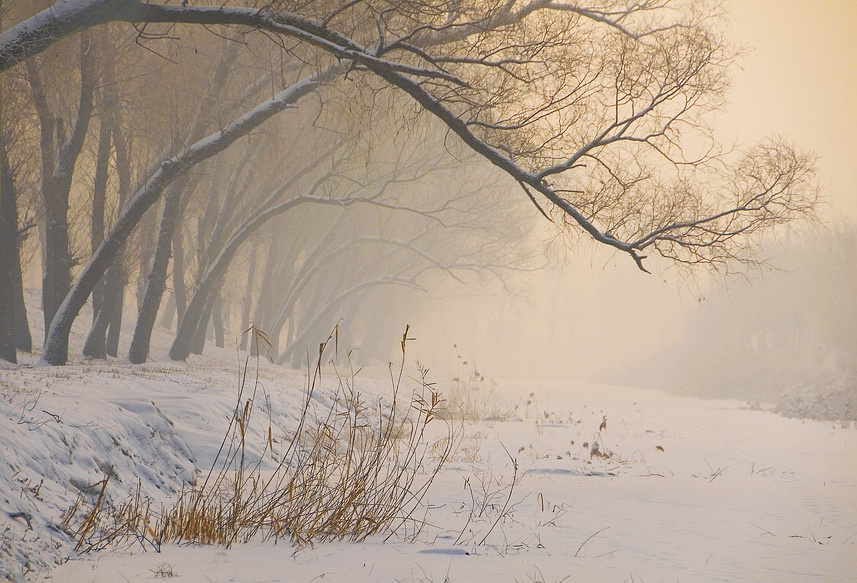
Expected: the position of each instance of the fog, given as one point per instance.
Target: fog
(606, 248)
(592, 315)
(355, 211)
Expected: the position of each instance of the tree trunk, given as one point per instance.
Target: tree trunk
(179, 287)
(157, 280)
(148, 244)
(96, 341)
(247, 306)
(173, 211)
(201, 333)
(325, 316)
(109, 292)
(14, 327)
(99, 199)
(23, 338)
(262, 314)
(57, 275)
(116, 276)
(213, 276)
(169, 314)
(217, 321)
(8, 252)
(114, 286)
(57, 170)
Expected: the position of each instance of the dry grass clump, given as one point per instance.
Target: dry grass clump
(355, 470)
(835, 402)
(105, 523)
(473, 398)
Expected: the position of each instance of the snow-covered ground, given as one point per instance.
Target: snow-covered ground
(692, 490)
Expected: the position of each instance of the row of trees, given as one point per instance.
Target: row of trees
(356, 129)
(794, 327)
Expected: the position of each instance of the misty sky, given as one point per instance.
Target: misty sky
(798, 79)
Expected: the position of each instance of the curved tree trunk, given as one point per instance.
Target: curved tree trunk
(201, 334)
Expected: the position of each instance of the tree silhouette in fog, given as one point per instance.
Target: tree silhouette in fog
(596, 112)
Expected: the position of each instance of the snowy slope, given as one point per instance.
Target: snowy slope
(64, 428)
(692, 491)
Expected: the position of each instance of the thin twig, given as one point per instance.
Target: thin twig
(590, 537)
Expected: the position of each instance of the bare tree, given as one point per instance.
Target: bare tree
(60, 150)
(17, 220)
(586, 107)
(276, 204)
